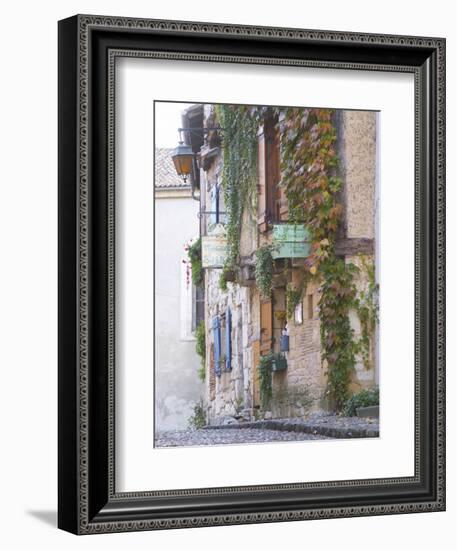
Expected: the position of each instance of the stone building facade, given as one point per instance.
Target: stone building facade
(241, 325)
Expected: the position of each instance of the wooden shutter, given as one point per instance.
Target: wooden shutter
(266, 326)
(228, 339)
(255, 373)
(274, 205)
(261, 199)
(272, 170)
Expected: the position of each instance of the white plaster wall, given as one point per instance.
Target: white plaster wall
(177, 386)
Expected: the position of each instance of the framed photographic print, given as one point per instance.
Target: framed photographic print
(251, 274)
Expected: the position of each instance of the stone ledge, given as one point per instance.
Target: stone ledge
(364, 412)
(338, 432)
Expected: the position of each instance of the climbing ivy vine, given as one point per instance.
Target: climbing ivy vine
(367, 307)
(194, 252)
(339, 347)
(309, 177)
(239, 172)
(309, 168)
(308, 165)
(293, 297)
(265, 381)
(264, 270)
(294, 293)
(200, 348)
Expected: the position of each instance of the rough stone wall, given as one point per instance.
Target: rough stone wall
(357, 157)
(249, 234)
(233, 393)
(305, 371)
(365, 375)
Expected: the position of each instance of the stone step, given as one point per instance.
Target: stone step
(339, 432)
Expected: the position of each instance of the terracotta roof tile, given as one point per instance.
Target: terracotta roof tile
(165, 172)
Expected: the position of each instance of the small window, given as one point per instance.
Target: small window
(216, 213)
(298, 314)
(214, 205)
(199, 306)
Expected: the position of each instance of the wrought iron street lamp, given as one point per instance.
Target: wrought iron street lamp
(183, 158)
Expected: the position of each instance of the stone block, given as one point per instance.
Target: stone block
(364, 412)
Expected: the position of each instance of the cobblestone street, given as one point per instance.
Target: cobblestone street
(226, 436)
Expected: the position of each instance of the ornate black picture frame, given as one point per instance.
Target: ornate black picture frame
(88, 501)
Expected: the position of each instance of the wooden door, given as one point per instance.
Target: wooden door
(255, 373)
(266, 326)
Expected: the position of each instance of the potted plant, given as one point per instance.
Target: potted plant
(278, 362)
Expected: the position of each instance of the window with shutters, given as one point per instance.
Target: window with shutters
(222, 340)
(192, 302)
(272, 202)
(216, 213)
(198, 310)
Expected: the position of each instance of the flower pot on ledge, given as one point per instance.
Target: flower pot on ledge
(278, 363)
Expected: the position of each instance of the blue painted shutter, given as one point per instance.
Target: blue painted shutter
(217, 345)
(228, 339)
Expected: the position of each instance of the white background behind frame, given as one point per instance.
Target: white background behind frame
(29, 238)
(139, 466)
